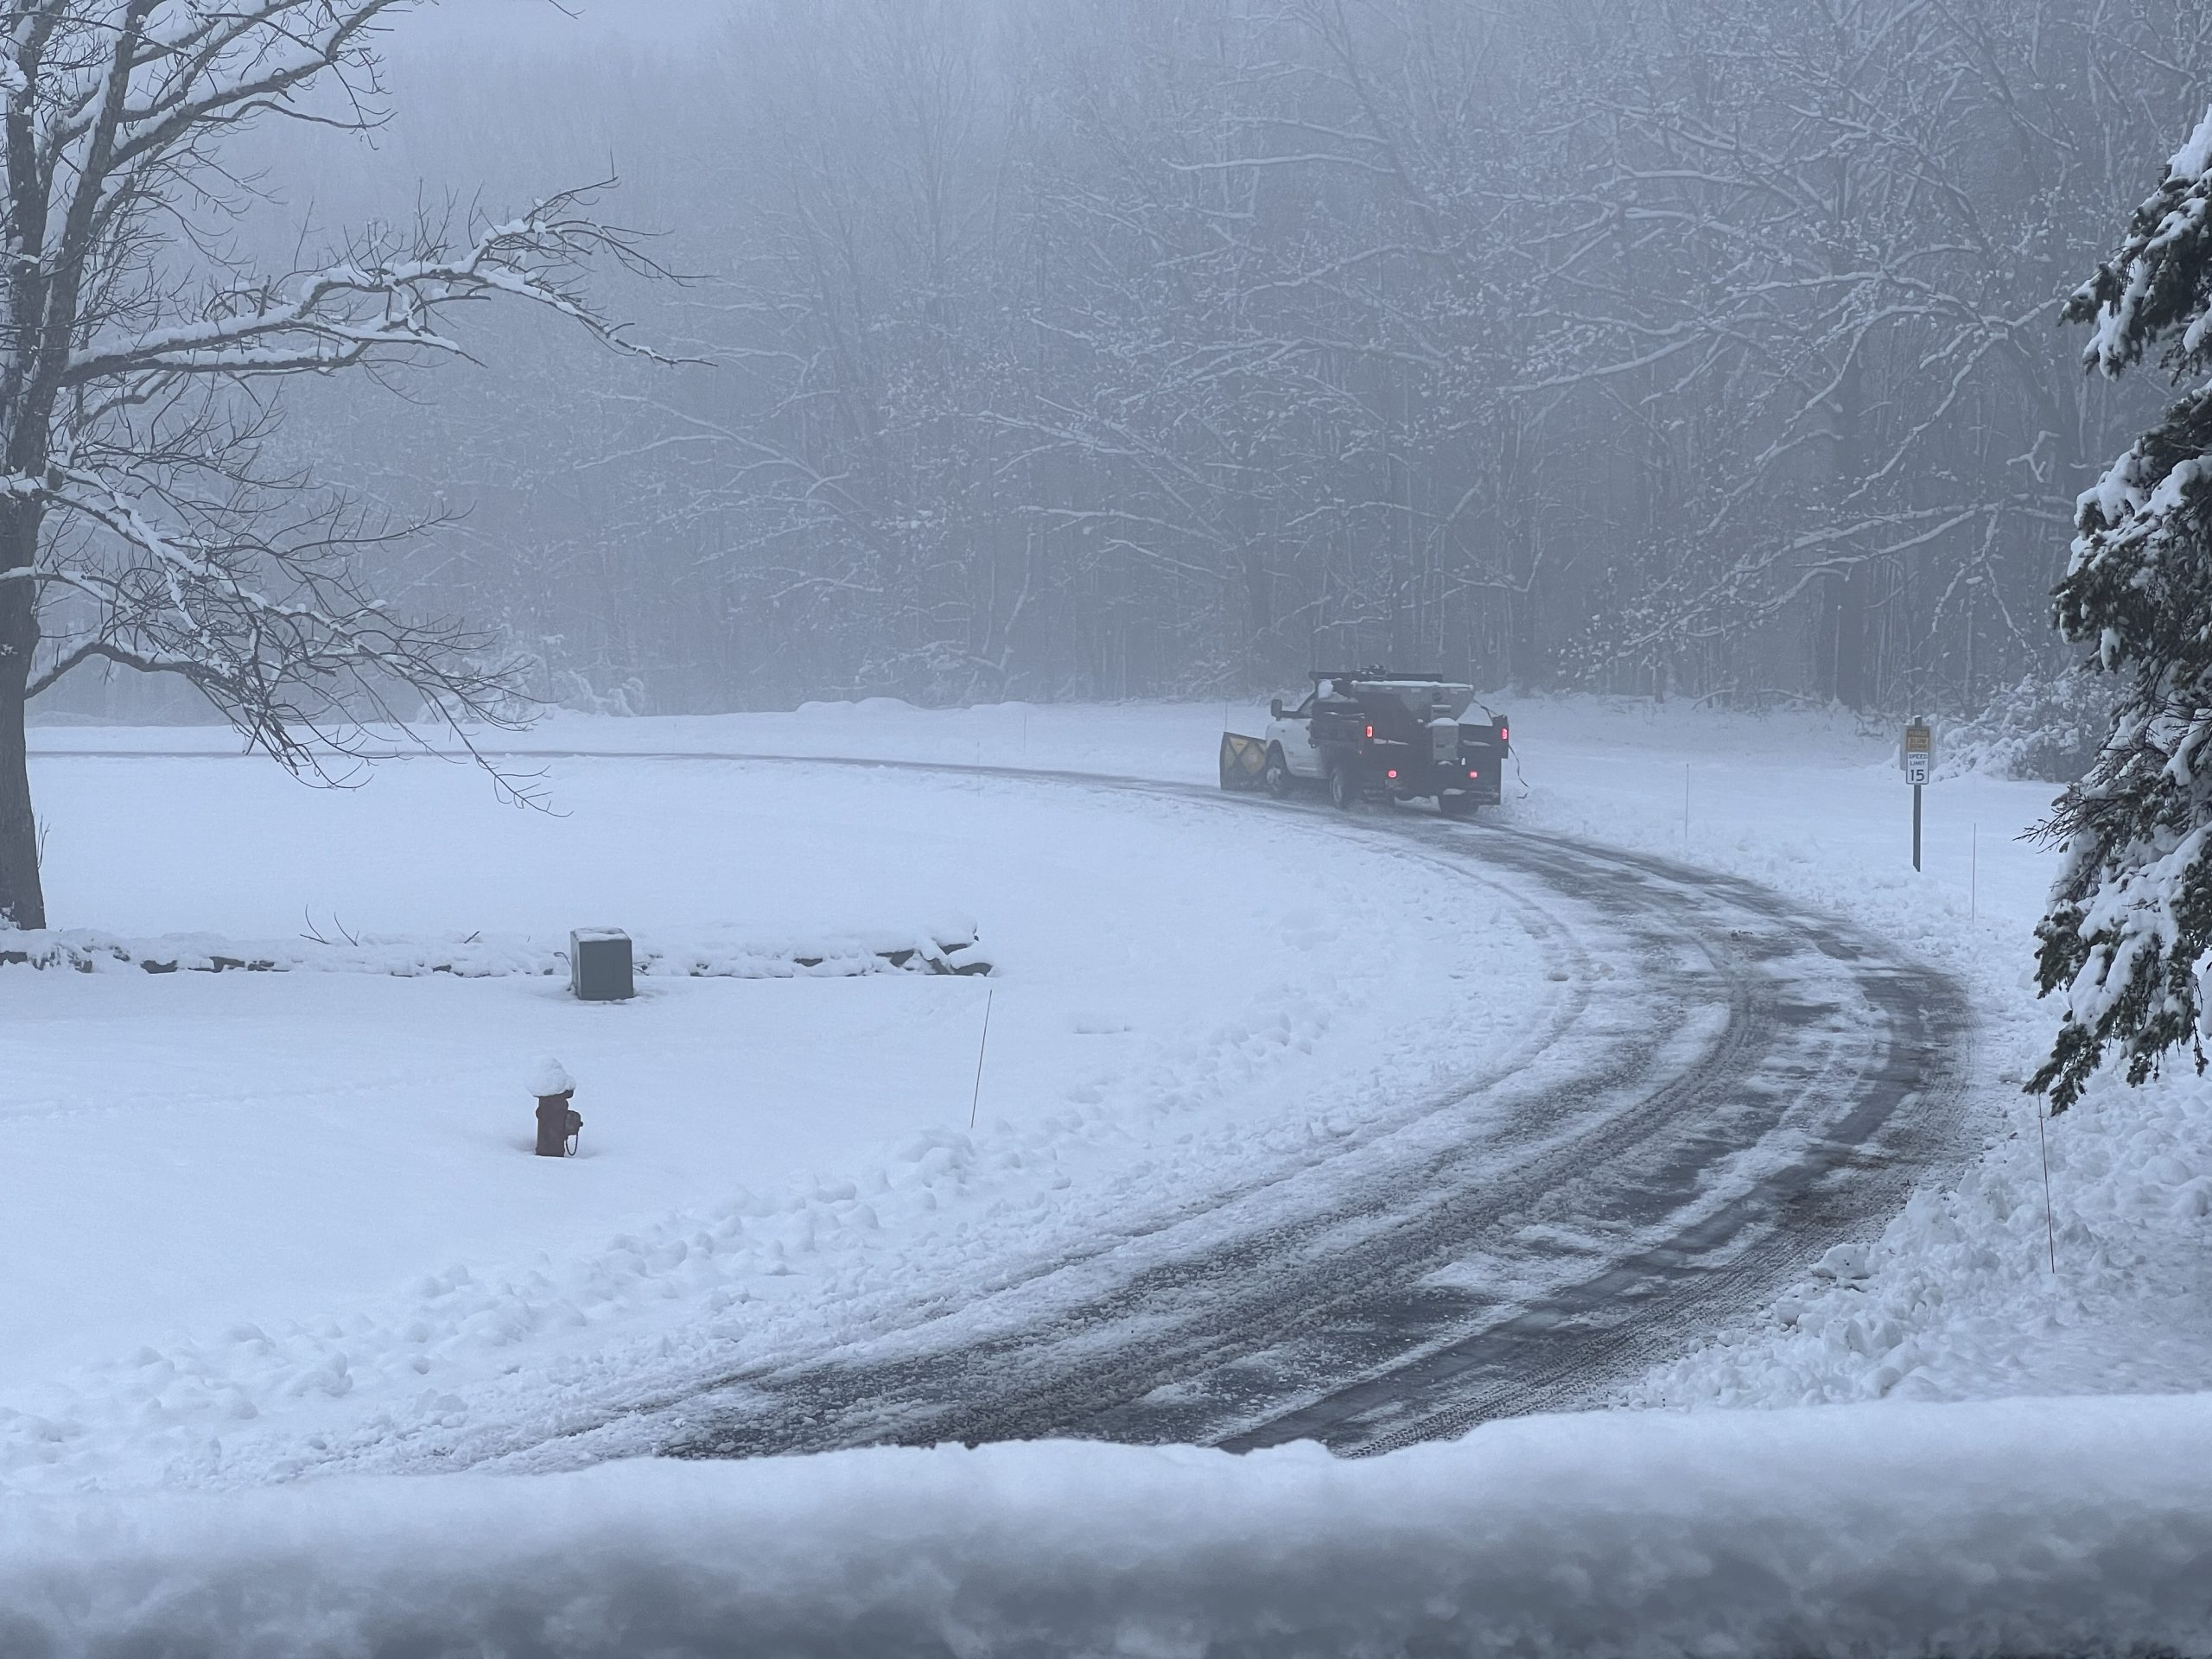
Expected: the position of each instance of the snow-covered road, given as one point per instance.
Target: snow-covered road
(1203, 1073)
(1733, 1084)
(1526, 1114)
(261, 1224)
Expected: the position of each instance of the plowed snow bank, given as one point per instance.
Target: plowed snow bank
(2016, 1528)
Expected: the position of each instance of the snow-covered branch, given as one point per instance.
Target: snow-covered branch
(337, 316)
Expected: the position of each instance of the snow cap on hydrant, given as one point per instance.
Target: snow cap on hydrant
(549, 1077)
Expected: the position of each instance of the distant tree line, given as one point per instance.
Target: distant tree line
(1705, 348)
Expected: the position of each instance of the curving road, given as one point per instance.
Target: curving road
(1730, 1083)
(1681, 1142)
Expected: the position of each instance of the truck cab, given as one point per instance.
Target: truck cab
(1291, 732)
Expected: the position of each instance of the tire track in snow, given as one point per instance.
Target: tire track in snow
(1675, 1147)
(1775, 1081)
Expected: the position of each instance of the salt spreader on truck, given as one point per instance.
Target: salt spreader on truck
(1377, 734)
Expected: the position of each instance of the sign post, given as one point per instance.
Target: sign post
(1917, 754)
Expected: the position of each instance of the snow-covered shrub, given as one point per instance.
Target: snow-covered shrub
(719, 953)
(625, 700)
(2041, 730)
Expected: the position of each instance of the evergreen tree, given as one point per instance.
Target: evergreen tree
(2129, 932)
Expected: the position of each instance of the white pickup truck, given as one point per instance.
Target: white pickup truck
(1375, 734)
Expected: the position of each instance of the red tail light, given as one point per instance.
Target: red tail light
(1473, 773)
(1503, 734)
(1392, 771)
(1371, 731)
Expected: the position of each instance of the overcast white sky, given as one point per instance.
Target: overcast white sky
(469, 23)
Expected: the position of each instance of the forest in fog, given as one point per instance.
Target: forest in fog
(1703, 348)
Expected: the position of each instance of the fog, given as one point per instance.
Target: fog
(1151, 347)
(499, 25)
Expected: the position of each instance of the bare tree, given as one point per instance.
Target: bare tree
(140, 525)
(1859, 215)
(1653, 345)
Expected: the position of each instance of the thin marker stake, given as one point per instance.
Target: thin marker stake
(977, 1099)
(2049, 1228)
(1974, 875)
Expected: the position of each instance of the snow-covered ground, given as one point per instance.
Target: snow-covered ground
(2005, 1528)
(1959, 1298)
(262, 1224)
(263, 1220)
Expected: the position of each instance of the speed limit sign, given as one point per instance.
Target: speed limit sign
(1917, 755)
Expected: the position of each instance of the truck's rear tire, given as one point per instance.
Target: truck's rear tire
(1458, 804)
(1276, 774)
(1343, 791)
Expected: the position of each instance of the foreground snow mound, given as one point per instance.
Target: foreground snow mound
(2027, 1527)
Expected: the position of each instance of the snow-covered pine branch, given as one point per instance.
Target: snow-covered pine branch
(2128, 938)
(140, 525)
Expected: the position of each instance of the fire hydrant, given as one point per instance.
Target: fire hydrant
(559, 1123)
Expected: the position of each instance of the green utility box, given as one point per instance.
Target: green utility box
(600, 968)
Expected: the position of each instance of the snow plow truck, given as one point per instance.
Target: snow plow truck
(1377, 734)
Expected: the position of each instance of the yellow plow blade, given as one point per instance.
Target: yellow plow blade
(1243, 759)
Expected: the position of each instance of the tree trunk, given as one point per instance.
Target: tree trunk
(1851, 688)
(22, 901)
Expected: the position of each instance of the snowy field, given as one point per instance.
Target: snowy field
(264, 1221)
(1164, 969)
(1959, 1299)
(259, 1226)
